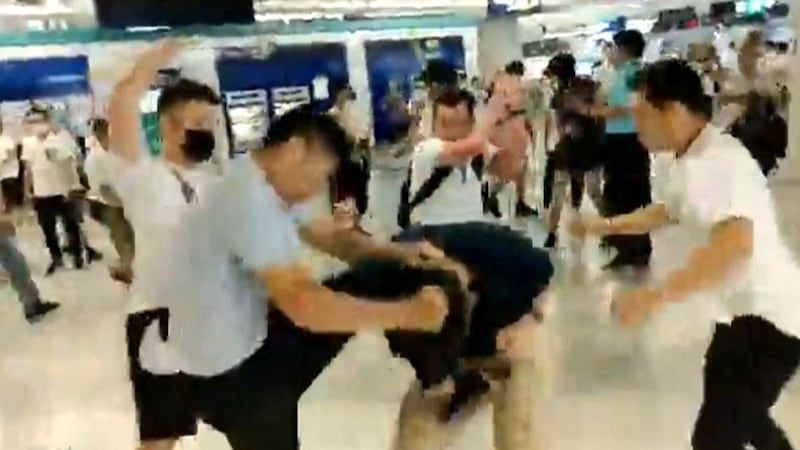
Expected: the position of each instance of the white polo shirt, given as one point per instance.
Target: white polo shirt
(46, 159)
(458, 198)
(154, 205)
(717, 180)
(9, 163)
(99, 167)
(217, 306)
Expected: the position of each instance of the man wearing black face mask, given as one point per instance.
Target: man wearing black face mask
(155, 192)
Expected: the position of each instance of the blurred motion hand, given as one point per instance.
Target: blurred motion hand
(428, 310)
(631, 308)
(155, 58)
(516, 340)
(345, 216)
(586, 224)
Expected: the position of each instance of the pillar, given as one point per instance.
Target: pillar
(790, 168)
(498, 44)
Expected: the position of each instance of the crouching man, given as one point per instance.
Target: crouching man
(508, 281)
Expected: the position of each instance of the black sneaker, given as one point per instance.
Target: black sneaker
(55, 265)
(39, 311)
(93, 255)
(79, 263)
(551, 241)
(492, 206)
(524, 210)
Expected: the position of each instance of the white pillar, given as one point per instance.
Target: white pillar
(498, 44)
(790, 168)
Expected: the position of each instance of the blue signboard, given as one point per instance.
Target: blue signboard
(43, 77)
(399, 63)
(287, 67)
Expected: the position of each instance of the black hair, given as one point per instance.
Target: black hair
(515, 67)
(99, 126)
(339, 85)
(38, 112)
(439, 71)
(185, 91)
(452, 98)
(673, 80)
(303, 122)
(762, 131)
(562, 67)
(583, 88)
(631, 42)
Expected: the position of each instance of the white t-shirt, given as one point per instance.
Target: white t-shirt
(717, 180)
(46, 159)
(154, 205)
(9, 163)
(458, 198)
(99, 167)
(217, 306)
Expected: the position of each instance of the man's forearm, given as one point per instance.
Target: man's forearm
(708, 267)
(352, 246)
(336, 312)
(641, 221)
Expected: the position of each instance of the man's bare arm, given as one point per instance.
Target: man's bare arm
(125, 126)
(641, 221)
(314, 307)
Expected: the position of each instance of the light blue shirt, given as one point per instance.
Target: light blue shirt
(217, 305)
(620, 95)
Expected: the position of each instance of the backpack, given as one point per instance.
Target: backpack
(428, 188)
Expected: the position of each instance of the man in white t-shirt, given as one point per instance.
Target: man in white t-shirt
(456, 197)
(45, 154)
(719, 193)
(155, 193)
(9, 171)
(105, 206)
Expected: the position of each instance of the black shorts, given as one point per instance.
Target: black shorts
(253, 404)
(165, 404)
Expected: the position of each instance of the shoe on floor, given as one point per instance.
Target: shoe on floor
(55, 265)
(39, 311)
(551, 241)
(524, 210)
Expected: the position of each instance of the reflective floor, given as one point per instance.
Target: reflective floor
(63, 382)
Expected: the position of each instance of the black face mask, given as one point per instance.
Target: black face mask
(198, 145)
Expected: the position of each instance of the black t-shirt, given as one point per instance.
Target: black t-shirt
(579, 143)
(509, 273)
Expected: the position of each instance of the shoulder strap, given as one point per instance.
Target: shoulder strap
(430, 186)
(188, 192)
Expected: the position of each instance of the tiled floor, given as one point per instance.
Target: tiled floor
(63, 383)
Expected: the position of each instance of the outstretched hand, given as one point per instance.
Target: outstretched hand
(156, 57)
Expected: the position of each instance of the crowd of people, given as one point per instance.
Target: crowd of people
(228, 325)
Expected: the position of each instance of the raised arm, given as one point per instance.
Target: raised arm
(123, 110)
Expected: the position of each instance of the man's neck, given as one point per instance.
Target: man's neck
(173, 155)
(695, 128)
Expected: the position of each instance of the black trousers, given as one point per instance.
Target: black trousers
(48, 211)
(576, 184)
(12, 193)
(747, 366)
(255, 404)
(626, 188)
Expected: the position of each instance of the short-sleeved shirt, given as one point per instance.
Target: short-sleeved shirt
(46, 159)
(458, 198)
(717, 180)
(208, 269)
(619, 94)
(9, 163)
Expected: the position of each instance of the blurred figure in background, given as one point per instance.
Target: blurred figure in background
(9, 172)
(45, 153)
(105, 206)
(627, 162)
(350, 181)
(575, 158)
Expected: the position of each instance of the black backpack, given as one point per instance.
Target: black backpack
(428, 188)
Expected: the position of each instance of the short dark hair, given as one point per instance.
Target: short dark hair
(562, 67)
(673, 80)
(631, 42)
(339, 85)
(452, 98)
(38, 112)
(185, 91)
(439, 71)
(515, 67)
(303, 122)
(99, 126)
